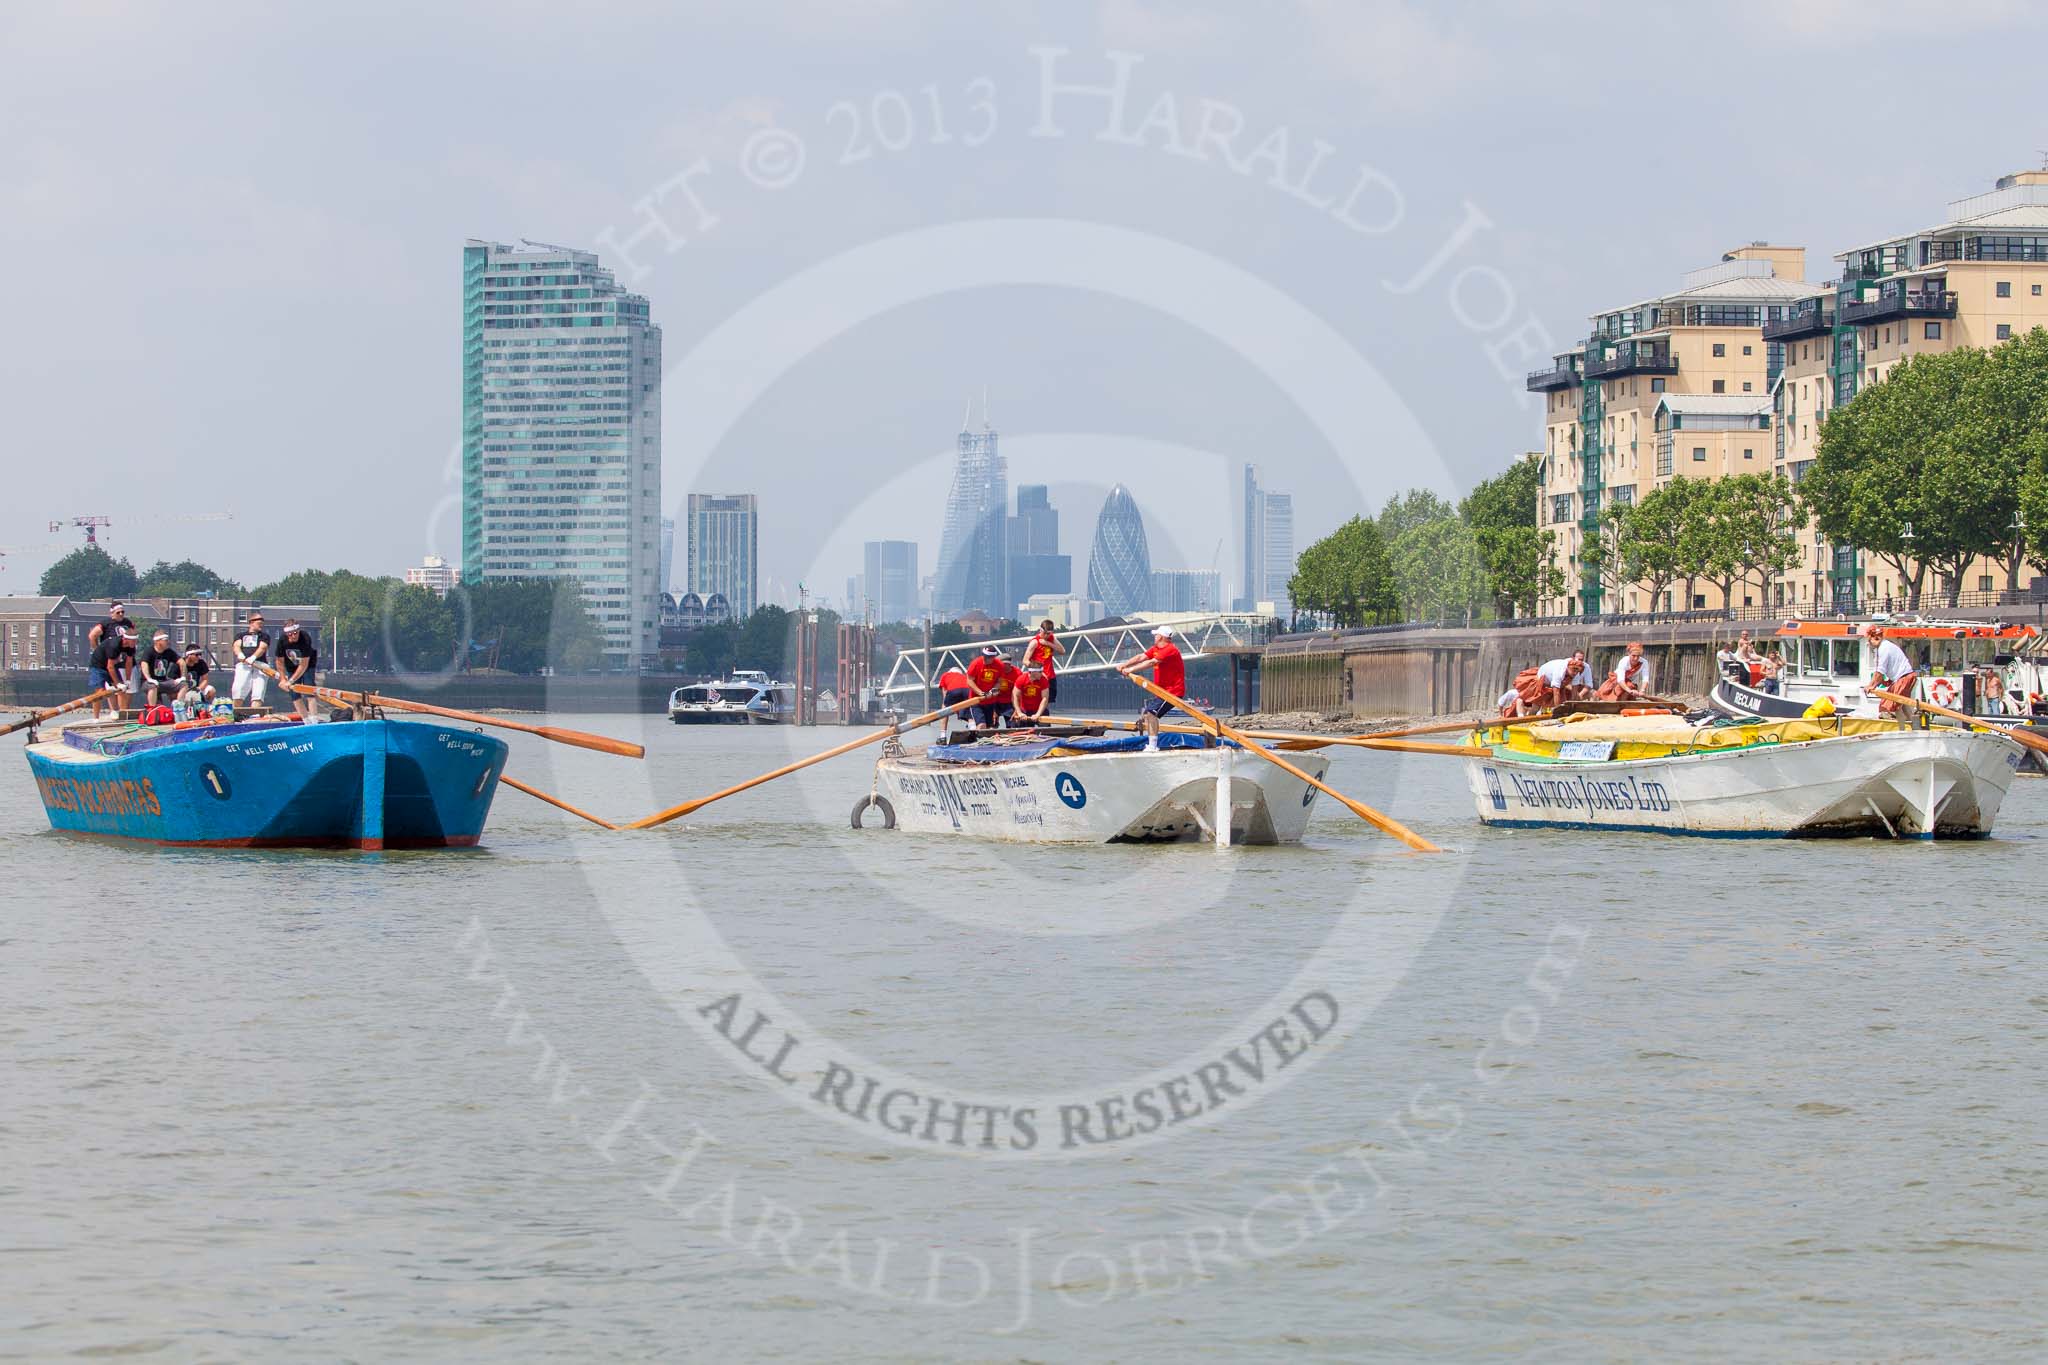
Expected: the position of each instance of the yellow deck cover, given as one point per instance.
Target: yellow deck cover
(1661, 736)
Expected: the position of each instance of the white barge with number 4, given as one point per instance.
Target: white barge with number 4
(1022, 787)
(1665, 774)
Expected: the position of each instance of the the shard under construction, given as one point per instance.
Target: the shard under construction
(974, 549)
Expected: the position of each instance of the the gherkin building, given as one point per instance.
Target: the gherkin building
(1119, 565)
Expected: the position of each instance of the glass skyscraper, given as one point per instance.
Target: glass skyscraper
(1119, 564)
(1037, 568)
(889, 578)
(974, 548)
(561, 434)
(1268, 546)
(724, 550)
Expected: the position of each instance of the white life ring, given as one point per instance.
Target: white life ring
(1942, 691)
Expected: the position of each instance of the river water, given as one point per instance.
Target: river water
(1581, 1096)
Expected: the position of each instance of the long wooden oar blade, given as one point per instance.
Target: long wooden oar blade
(1384, 823)
(687, 807)
(581, 739)
(554, 801)
(1446, 727)
(2018, 734)
(1407, 746)
(38, 717)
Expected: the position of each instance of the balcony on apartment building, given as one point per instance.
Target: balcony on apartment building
(1895, 300)
(1812, 318)
(1986, 248)
(1560, 375)
(1632, 357)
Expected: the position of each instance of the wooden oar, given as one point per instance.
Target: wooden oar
(555, 801)
(38, 717)
(1384, 823)
(582, 739)
(1445, 727)
(2017, 733)
(677, 812)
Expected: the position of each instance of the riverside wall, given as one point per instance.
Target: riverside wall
(1416, 671)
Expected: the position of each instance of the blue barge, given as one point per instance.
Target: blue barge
(364, 784)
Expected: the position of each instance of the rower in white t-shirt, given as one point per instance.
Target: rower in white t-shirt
(1567, 677)
(1631, 676)
(1891, 670)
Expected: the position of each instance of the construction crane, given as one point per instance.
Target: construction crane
(91, 524)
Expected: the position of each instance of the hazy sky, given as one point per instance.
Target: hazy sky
(1313, 236)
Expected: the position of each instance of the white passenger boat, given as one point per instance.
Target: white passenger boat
(1094, 789)
(1666, 774)
(748, 697)
(1987, 668)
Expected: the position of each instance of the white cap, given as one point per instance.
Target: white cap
(1163, 632)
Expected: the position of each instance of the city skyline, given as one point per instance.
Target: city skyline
(165, 132)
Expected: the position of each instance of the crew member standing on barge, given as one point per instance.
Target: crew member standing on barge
(1043, 653)
(1169, 671)
(1892, 670)
(251, 647)
(298, 662)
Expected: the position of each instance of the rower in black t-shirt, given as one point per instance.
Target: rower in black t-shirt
(297, 662)
(195, 674)
(108, 628)
(163, 670)
(132, 667)
(105, 662)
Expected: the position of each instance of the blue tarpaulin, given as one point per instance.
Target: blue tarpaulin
(982, 751)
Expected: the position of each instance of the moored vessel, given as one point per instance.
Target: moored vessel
(747, 697)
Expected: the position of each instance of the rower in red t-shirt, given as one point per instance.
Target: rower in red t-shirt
(1169, 670)
(1042, 653)
(991, 676)
(1030, 697)
(954, 687)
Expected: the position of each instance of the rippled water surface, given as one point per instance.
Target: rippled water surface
(1592, 1097)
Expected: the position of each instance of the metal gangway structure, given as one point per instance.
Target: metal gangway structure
(1092, 649)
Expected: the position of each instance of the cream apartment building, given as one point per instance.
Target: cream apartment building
(1620, 416)
(1975, 279)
